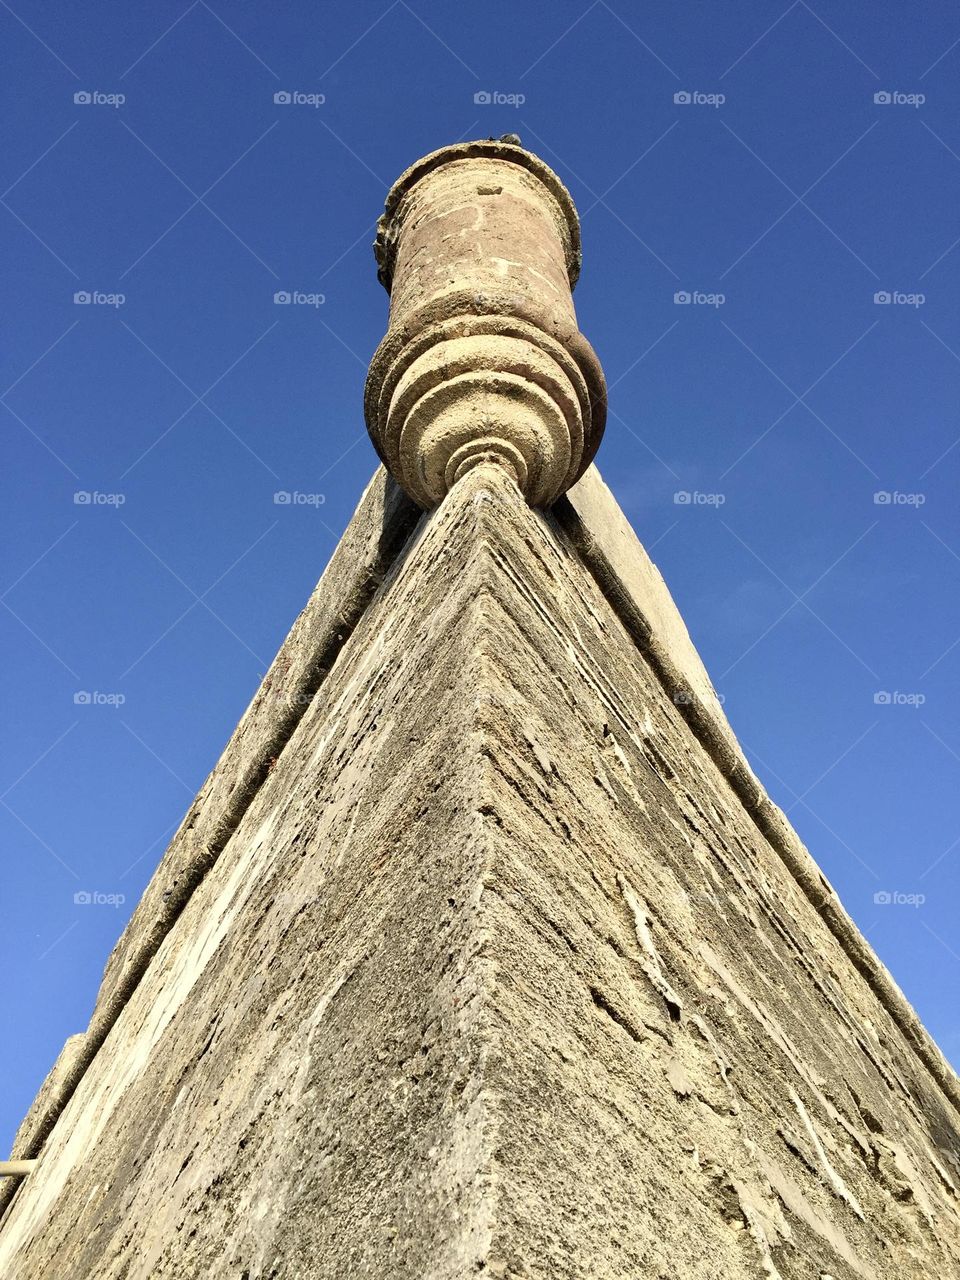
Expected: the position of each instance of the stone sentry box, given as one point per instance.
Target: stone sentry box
(479, 248)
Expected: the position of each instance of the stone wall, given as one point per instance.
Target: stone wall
(494, 969)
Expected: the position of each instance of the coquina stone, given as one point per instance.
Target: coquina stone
(497, 971)
(479, 246)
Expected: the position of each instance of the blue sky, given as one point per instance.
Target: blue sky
(782, 186)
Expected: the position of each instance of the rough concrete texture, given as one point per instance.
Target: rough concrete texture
(479, 246)
(496, 976)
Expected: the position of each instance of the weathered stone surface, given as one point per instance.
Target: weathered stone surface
(380, 526)
(479, 246)
(602, 527)
(497, 974)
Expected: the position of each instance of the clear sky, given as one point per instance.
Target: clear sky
(776, 192)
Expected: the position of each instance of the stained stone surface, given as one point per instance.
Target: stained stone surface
(495, 973)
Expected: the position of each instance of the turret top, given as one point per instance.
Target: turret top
(508, 148)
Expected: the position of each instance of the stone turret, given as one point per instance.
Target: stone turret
(479, 248)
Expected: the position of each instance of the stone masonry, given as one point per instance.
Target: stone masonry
(482, 952)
